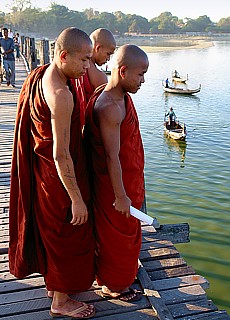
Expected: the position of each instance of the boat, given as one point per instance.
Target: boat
(172, 89)
(176, 132)
(106, 71)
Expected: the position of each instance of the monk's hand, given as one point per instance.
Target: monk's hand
(79, 213)
(122, 204)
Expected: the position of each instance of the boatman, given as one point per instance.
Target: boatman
(117, 159)
(167, 83)
(171, 117)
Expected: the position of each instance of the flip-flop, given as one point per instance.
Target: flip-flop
(71, 314)
(124, 295)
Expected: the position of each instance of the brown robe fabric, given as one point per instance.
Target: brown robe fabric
(118, 238)
(41, 237)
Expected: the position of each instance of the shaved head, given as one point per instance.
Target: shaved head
(102, 37)
(71, 40)
(128, 55)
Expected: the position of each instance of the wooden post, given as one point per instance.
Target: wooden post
(52, 50)
(23, 45)
(32, 57)
(44, 52)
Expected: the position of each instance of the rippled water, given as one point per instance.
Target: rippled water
(190, 181)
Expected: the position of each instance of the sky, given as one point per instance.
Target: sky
(149, 9)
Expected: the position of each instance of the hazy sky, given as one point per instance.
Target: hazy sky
(214, 9)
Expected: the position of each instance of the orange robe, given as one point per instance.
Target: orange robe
(118, 238)
(41, 237)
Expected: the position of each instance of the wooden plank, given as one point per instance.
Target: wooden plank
(155, 265)
(144, 314)
(3, 258)
(153, 296)
(177, 233)
(192, 308)
(103, 308)
(157, 244)
(169, 273)
(158, 253)
(179, 282)
(183, 294)
(216, 315)
(22, 284)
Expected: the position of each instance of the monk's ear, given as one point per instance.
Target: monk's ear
(97, 48)
(122, 71)
(63, 55)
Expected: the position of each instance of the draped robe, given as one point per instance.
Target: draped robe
(41, 236)
(118, 239)
(84, 89)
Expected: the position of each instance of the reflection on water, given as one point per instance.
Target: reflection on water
(176, 146)
(199, 171)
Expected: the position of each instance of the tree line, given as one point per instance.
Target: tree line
(27, 19)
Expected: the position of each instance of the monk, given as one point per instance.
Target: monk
(50, 222)
(104, 45)
(117, 159)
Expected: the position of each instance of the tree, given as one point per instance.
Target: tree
(224, 25)
(121, 23)
(20, 5)
(138, 24)
(201, 24)
(107, 20)
(167, 23)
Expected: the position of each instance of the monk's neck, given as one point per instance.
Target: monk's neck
(115, 91)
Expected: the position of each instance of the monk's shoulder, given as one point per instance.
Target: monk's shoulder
(96, 76)
(106, 108)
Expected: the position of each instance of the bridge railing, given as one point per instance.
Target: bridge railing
(36, 52)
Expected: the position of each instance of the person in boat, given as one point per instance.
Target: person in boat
(171, 118)
(167, 83)
(176, 74)
(115, 146)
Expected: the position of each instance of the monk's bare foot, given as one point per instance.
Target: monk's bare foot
(49, 293)
(128, 294)
(62, 305)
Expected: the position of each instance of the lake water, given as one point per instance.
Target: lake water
(190, 182)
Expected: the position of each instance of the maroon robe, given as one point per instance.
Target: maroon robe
(84, 89)
(41, 236)
(118, 238)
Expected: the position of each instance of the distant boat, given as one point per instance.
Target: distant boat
(172, 89)
(107, 71)
(177, 78)
(176, 132)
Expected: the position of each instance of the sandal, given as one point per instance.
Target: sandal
(71, 314)
(124, 295)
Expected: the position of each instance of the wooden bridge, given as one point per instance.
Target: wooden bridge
(171, 289)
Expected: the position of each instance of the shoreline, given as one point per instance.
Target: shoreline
(159, 44)
(154, 49)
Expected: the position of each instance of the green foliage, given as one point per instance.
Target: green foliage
(30, 20)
